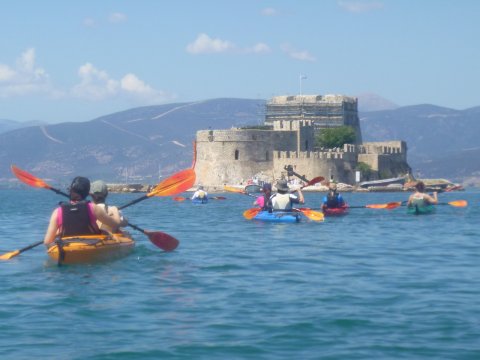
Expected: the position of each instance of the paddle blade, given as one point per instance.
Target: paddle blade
(251, 213)
(175, 184)
(314, 181)
(28, 178)
(179, 198)
(162, 240)
(219, 198)
(458, 203)
(9, 255)
(311, 214)
(388, 206)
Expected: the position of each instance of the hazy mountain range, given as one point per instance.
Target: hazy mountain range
(143, 144)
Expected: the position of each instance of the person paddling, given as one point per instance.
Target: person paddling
(264, 201)
(200, 194)
(78, 216)
(333, 199)
(419, 199)
(99, 193)
(283, 200)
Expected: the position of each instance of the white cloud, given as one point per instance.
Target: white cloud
(97, 85)
(25, 77)
(360, 6)
(117, 17)
(259, 48)
(6, 73)
(302, 55)
(269, 12)
(203, 44)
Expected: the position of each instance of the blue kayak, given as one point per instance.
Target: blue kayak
(278, 216)
(200, 201)
(421, 210)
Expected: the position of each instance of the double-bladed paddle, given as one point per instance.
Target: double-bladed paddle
(175, 184)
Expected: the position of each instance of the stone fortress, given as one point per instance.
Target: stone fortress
(233, 156)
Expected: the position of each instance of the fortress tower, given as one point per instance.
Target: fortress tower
(325, 111)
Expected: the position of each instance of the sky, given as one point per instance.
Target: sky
(64, 61)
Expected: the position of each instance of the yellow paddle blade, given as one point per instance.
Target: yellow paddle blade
(312, 214)
(9, 255)
(28, 178)
(458, 203)
(175, 184)
(251, 213)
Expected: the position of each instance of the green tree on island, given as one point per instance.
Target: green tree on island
(335, 137)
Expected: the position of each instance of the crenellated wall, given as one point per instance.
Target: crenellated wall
(236, 155)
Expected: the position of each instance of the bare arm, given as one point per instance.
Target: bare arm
(431, 199)
(106, 219)
(52, 229)
(301, 199)
(117, 215)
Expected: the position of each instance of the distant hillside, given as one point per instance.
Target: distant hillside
(441, 141)
(144, 143)
(8, 125)
(138, 144)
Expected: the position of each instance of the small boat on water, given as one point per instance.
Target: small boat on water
(278, 216)
(91, 248)
(384, 182)
(338, 211)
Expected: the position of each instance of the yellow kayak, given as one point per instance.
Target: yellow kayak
(91, 248)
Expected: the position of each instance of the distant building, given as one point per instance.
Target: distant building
(236, 155)
(325, 111)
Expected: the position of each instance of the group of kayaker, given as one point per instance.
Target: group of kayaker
(79, 216)
(284, 200)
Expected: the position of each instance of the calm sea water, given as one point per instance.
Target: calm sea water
(375, 284)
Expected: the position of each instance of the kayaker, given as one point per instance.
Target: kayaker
(200, 194)
(264, 201)
(283, 199)
(99, 193)
(333, 199)
(419, 199)
(78, 216)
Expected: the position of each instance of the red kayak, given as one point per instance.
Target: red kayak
(338, 211)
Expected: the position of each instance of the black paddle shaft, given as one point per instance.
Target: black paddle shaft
(290, 172)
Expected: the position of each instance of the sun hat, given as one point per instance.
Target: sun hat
(99, 187)
(282, 185)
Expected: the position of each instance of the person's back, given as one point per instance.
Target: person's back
(78, 217)
(99, 193)
(283, 200)
(200, 194)
(420, 199)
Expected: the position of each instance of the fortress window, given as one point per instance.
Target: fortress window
(266, 156)
(236, 154)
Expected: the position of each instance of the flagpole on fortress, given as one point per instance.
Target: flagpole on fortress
(302, 77)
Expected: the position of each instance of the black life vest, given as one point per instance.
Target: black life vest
(332, 200)
(76, 220)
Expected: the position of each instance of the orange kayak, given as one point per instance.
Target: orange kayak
(91, 248)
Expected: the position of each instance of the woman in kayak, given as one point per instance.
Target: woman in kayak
(264, 201)
(420, 199)
(333, 199)
(99, 193)
(78, 216)
(283, 200)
